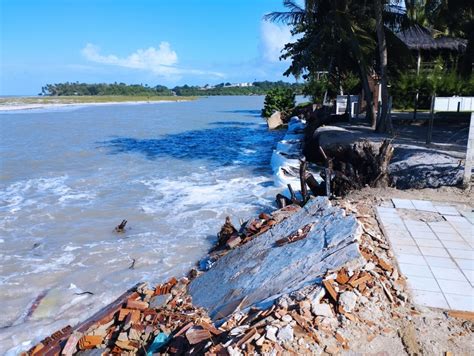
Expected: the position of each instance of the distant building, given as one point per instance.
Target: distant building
(245, 84)
(226, 85)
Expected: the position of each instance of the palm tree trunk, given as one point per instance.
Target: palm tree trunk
(369, 99)
(382, 124)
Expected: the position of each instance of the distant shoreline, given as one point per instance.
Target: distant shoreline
(8, 104)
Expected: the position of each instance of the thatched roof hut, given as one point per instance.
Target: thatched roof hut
(422, 39)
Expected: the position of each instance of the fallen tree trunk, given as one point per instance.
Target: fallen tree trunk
(355, 163)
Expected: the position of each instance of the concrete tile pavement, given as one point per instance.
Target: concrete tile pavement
(436, 254)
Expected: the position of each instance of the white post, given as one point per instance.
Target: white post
(469, 154)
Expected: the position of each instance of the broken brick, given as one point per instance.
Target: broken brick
(137, 304)
(364, 278)
(196, 335)
(90, 341)
(330, 289)
(233, 241)
(342, 276)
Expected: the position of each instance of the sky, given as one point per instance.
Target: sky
(166, 42)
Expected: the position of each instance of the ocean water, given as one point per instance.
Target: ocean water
(68, 176)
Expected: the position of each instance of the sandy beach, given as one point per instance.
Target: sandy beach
(16, 107)
(32, 103)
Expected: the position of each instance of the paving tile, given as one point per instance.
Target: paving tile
(465, 264)
(413, 250)
(415, 271)
(464, 254)
(393, 221)
(463, 224)
(445, 231)
(415, 224)
(403, 242)
(457, 219)
(430, 299)
(456, 244)
(429, 242)
(453, 274)
(385, 210)
(386, 204)
(396, 235)
(424, 235)
(434, 251)
(440, 225)
(402, 203)
(459, 223)
(456, 287)
(460, 302)
(424, 205)
(411, 259)
(449, 237)
(393, 226)
(464, 231)
(469, 215)
(467, 235)
(440, 262)
(469, 274)
(446, 210)
(423, 283)
(469, 239)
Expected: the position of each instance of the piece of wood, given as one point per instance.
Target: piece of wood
(363, 279)
(248, 337)
(195, 335)
(461, 314)
(292, 193)
(330, 289)
(209, 328)
(384, 265)
(304, 189)
(387, 292)
(431, 121)
(328, 182)
(121, 227)
(282, 201)
(313, 185)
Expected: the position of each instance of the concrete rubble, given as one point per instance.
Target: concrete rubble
(275, 121)
(335, 303)
(262, 269)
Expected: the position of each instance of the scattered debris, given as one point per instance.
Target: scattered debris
(121, 227)
(346, 309)
(300, 234)
(83, 293)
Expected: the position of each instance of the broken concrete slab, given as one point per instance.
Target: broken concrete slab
(260, 271)
(275, 121)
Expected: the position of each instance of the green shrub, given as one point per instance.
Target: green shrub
(279, 99)
(435, 82)
(315, 88)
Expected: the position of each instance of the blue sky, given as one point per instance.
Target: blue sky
(169, 42)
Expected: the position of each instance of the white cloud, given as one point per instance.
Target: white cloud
(273, 38)
(161, 61)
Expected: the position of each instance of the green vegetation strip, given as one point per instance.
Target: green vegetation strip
(89, 99)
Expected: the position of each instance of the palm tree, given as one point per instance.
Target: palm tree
(382, 124)
(332, 39)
